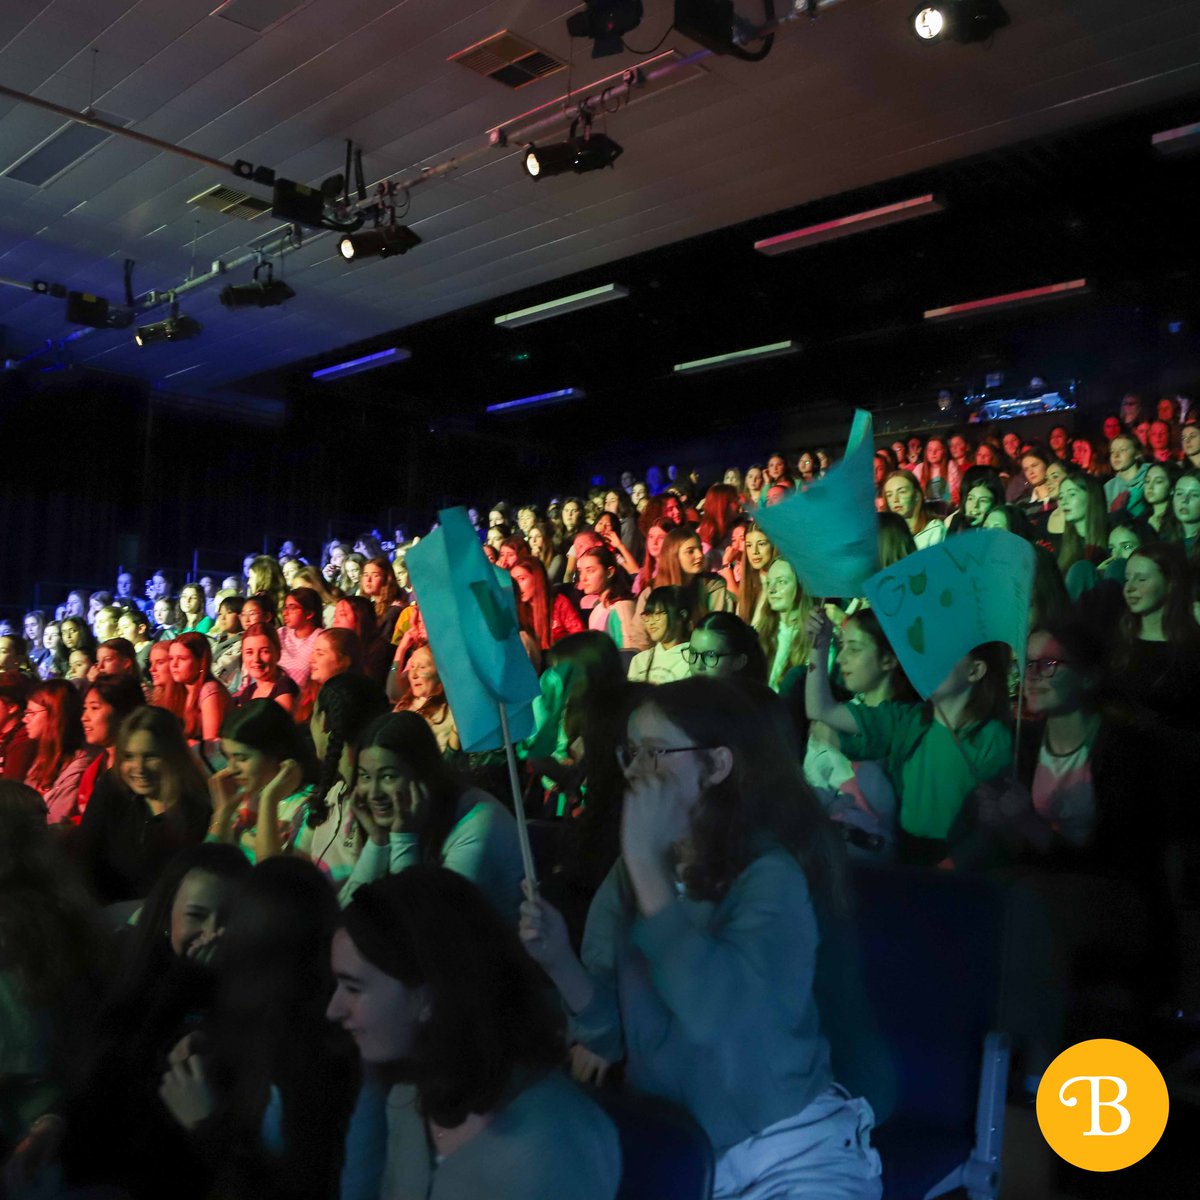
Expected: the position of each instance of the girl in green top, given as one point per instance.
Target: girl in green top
(936, 753)
(261, 797)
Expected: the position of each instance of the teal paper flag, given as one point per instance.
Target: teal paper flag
(471, 617)
(942, 602)
(828, 532)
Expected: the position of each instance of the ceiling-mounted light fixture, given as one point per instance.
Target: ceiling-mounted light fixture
(606, 22)
(962, 20)
(262, 293)
(175, 328)
(384, 241)
(581, 152)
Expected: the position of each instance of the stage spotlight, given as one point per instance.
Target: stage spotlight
(262, 293)
(963, 20)
(591, 152)
(384, 241)
(606, 22)
(174, 329)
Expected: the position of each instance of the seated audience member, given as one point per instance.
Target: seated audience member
(357, 614)
(463, 1080)
(310, 577)
(14, 656)
(107, 701)
(198, 701)
(17, 749)
(193, 609)
(105, 624)
(427, 698)
(34, 626)
(80, 665)
(1156, 491)
(603, 579)
(858, 795)
(330, 836)
(226, 639)
(167, 622)
(1156, 658)
(260, 797)
(264, 575)
(1182, 520)
(937, 753)
(266, 1086)
(301, 622)
(117, 657)
(264, 678)
(163, 989)
(903, 497)
(76, 636)
(666, 617)
(682, 564)
(53, 955)
(414, 808)
(546, 615)
(54, 664)
(982, 491)
(153, 803)
(52, 722)
(541, 547)
(1124, 491)
(259, 608)
(158, 668)
(708, 994)
(782, 626)
(722, 644)
(349, 580)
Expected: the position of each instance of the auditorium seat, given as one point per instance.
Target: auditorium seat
(665, 1153)
(932, 956)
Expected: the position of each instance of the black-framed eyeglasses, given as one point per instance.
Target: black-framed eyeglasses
(709, 658)
(628, 754)
(1044, 668)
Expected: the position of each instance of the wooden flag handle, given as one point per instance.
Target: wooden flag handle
(518, 803)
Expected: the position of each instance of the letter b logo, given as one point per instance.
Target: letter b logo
(1102, 1105)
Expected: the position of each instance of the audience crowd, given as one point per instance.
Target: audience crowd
(263, 930)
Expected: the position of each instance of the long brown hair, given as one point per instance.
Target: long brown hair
(182, 780)
(183, 699)
(389, 594)
(64, 732)
(1178, 620)
(1074, 547)
(721, 506)
(534, 615)
(764, 793)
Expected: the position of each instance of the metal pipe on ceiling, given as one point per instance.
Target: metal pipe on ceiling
(563, 116)
(95, 122)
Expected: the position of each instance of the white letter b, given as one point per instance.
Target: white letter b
(1097, 1104)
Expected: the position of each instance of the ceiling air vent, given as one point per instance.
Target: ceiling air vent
(258, 15)
(229, 202)
(508, 59)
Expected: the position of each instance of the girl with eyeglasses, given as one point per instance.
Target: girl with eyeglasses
(666, 619)
(700, 950)
(722, 644)
(303, 617)
(53, 722)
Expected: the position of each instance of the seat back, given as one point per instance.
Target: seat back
(932, 956)
(665, 1154)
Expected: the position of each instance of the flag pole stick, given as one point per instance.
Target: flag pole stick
(518, 801)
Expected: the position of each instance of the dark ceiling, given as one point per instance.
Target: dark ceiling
(1098, 202)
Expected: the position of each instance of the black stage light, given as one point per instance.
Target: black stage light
(262, 293)
(384, 241)
(708, 22)
(963, 20)
(86, 309)
(591, 152)
(606, 22)
(174, 329)
(298, 202)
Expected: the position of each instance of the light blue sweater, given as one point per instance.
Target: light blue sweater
(483, 847)
(711, 1004)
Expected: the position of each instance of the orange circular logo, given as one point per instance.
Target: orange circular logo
(1102, 1105)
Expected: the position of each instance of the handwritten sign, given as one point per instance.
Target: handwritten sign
(470, 616)
(828, 532)
(942, 602)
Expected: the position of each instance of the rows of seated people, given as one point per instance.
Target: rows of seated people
(235, 826)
